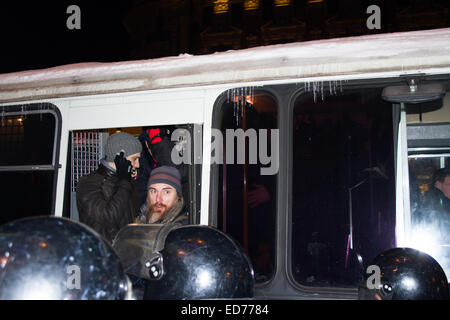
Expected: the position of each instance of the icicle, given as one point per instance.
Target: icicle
(321, 90)
(240, 96)
(238, 107)
(235, 107)
(242, 102)
(314, 92)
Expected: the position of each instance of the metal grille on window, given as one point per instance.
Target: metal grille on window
(87, 150)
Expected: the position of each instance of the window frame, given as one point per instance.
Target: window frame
(193, 203)
(285, 96)
(39, 108)
(426, 148)
(214, 171)
(305, 89)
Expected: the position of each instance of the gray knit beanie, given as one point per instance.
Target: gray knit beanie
(121, 141)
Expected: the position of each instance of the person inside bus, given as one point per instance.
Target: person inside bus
(107, 199)
(148, 161)
(442, 183)
(165, 203)
(434, 209)
(156, 152)
(437, 199)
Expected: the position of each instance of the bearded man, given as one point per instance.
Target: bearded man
(165, 201)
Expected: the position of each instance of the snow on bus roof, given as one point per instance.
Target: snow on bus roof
(402, 51)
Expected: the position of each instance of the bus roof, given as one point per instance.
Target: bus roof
(406, 52)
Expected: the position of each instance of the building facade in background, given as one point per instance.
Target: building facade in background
(167, 28)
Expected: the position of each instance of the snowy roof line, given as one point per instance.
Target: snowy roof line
(342, 56)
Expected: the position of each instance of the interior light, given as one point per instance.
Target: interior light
(220, 6)
(251, 5)
(282, 3)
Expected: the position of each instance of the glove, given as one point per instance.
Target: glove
(123, 167)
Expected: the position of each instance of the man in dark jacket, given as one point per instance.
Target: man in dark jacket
(107, 199)
(436, 202)
(432, 217)
(443, 184)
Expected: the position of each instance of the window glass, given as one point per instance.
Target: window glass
(430, 206)
(87, 151)
(247, 193)
(25, 194)
(343, 185)
(27, 139)
(27, 173)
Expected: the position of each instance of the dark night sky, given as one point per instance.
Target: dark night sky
(34, 34)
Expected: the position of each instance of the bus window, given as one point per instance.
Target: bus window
(343, 186)
(29, 135)
(247, 195)
(87, 150)
(429, 179)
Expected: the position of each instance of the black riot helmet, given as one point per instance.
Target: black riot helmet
(56, 258)
(404, 274)
(185, 262)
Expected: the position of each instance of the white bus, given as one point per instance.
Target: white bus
(360, 126)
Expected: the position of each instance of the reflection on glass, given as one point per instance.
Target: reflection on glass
(25, 194)
(246, 197)
(27, 139)
(430, 208)
(343, 194)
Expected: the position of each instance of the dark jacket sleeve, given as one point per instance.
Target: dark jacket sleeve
(145, 168)
(106, 204)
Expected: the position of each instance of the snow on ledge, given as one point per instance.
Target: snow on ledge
(342, 56)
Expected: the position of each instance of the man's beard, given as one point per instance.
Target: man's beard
(156, 212)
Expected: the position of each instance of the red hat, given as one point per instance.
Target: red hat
(154, 135)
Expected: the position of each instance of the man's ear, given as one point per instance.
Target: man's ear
(438, 185)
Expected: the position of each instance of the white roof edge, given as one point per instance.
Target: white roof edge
(404, 51)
